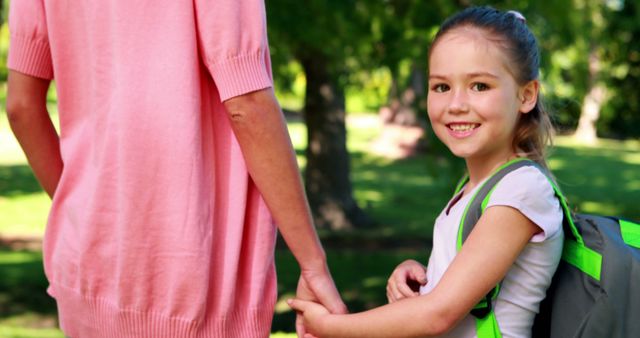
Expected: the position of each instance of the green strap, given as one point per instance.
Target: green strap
(485, 201)
(567, 212)
(461, 184)
(630, 233)
(583, 258)
(487, 327)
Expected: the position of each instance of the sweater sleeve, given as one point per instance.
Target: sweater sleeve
(29, 51)
(233, 44)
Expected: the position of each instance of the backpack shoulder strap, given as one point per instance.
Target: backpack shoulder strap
(480, 198)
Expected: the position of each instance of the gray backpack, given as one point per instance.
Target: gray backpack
(595, 293)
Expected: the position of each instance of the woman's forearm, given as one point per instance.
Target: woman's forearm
(261, 130)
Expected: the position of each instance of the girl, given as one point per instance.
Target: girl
(483, 104)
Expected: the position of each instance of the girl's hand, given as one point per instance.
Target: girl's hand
(313, 315)
(319, 288)
(405, 280)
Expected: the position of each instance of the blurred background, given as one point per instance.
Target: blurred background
(351, 76)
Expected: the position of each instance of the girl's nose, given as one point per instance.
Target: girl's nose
(458, 103)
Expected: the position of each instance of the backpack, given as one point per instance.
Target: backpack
(595, 292)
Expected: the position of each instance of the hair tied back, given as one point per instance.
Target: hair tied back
(518, 16)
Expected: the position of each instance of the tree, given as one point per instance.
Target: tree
(620, 117)
(596, 90)
(325, 37)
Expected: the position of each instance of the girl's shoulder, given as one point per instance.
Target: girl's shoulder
(529, 191)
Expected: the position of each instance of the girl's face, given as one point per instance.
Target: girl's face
(473, 100)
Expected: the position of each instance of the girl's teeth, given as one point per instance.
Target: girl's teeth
(462, 127)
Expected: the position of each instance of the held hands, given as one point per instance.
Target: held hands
(405, 280)
(315, 287)
(311, 315)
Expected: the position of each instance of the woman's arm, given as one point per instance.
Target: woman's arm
(486, 256)
(32, 126)
(261, 131)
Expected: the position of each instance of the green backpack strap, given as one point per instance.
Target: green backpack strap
(486, 324)
(630, 233)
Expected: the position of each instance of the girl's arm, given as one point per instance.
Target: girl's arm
(486, 256)
(32, 126)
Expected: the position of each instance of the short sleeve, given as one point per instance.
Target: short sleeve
(233, 43)
(529, 191)
(29, 50)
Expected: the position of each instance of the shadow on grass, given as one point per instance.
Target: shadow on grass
(23, 284)
(17, 180)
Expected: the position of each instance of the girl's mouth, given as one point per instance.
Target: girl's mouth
(462, 129)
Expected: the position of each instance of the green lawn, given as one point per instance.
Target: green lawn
(402, 196)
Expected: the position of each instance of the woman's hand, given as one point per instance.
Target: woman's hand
(405, 280)
(318, 287)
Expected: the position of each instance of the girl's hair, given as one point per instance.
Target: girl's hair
(510, 32)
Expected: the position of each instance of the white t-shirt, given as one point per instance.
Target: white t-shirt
(527, 190)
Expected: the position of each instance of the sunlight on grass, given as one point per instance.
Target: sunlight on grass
(283, 335)
(7, 331)
(281, 305)
(18, 257)
(599, 208)
(24, 215)
(374, 282)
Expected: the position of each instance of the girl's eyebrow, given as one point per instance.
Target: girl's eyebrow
(481, 74)
(436, 76)
(469, 75)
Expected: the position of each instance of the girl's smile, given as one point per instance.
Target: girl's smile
(462, 129)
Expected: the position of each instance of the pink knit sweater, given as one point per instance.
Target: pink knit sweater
(156, 229)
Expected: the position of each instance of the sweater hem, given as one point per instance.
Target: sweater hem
(30, 56)
(82, 316)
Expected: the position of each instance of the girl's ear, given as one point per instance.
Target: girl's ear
(528, 95)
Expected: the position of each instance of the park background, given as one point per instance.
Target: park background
(351, 76)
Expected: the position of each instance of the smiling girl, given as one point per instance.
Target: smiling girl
(484, 104)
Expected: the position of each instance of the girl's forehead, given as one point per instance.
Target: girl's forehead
(473, 45)
(476, 37)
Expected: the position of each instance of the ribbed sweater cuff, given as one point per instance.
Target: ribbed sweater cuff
(30, 56)
(241, 75)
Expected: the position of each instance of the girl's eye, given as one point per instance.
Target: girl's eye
(440, 88)
(480, 87)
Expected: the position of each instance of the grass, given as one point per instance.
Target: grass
(402, 196)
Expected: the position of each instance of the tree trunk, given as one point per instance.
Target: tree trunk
(327, 172)
(592, 103)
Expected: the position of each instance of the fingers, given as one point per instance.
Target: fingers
(298, 304)
(295, 305)
(398, 289)
(405, 281)
(322, 289)
(329, 296)
(419, 273)
(300, 330)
